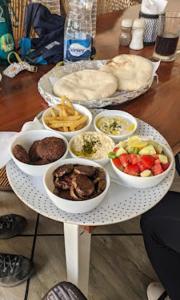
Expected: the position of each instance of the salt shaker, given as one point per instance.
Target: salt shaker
(125, 36)
(137, 34)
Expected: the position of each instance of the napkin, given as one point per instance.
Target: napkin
(153, 7)
(7, 137)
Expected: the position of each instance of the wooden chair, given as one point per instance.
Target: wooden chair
(106, 6)
(18, 9)
(61, 6)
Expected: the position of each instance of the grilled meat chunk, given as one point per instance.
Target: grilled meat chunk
(63, 183)
(73, 194)
(21, 154)
(85, 170)
(83, 186)
(62, 170)
(63, 194)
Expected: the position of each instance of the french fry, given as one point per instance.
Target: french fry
(65, 118)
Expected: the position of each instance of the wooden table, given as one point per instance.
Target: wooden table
(20, 100)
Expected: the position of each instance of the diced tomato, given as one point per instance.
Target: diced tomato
(148, 161)
(157, 169)
(141, 166)
(134, 158)
(115, 149)
(155, 156)
(157, 161)
(165, 166)
(117, 162)
(124, 158)
(132, 170)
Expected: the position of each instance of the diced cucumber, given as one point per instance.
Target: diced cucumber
(120, 151)
(133, 150)
(146, 173)
(149, 150)
(157, 147)
(111, 155)
(163, 159)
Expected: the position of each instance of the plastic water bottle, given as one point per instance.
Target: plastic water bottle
(78, 31)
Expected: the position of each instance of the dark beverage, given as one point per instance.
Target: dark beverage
(166, 44)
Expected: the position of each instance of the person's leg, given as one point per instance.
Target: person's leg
(161, 230)
(14, 269)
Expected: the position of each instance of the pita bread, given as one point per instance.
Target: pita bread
(86, 85)
(132, 71)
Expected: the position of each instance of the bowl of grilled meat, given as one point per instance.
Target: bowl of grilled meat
(76, 185)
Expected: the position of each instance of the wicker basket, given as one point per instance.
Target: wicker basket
(4, 183)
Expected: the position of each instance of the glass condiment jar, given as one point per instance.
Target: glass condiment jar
(125, 36)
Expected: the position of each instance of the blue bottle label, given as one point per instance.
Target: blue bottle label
(77, 49)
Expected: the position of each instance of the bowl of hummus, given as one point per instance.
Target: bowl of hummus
(116, 124)
(91, 145)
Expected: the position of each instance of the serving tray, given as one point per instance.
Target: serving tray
(121, 203)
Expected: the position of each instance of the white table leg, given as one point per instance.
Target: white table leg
(77, 249)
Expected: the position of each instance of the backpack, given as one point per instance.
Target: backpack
(6, 36)
(48, 47)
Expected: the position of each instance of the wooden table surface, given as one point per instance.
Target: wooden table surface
(160, 106)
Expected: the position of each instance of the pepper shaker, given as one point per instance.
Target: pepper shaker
(137, 35)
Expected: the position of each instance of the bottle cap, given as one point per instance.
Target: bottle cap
(138, 23)
(126, 23)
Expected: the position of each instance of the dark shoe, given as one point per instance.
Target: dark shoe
(14, 269)
(11, 225)
(64, 291)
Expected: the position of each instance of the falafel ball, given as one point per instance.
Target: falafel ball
(51, 148)
(21, 154)
(41, 162)
(33, 155)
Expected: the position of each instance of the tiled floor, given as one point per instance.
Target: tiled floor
(116, 250)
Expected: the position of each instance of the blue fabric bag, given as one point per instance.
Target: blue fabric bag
(48, 46)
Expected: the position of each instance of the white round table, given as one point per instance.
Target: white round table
(122, 203)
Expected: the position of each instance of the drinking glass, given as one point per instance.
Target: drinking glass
(168, 36)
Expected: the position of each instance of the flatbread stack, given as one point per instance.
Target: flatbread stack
(122, 73)
(86, 85)
(132, 71)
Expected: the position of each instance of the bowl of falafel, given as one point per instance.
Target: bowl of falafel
(76, 185)
(34, 151)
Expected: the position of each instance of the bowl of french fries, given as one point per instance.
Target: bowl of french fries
(66, 118)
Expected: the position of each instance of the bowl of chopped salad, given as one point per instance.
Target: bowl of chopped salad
(141, 162)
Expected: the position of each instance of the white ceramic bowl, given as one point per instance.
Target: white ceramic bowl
(69, 205)
(102, 161)
(144, 182)
(26, 139)
(119, 113)
(83, 110)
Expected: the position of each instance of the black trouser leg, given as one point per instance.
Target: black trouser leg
(161, 230)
